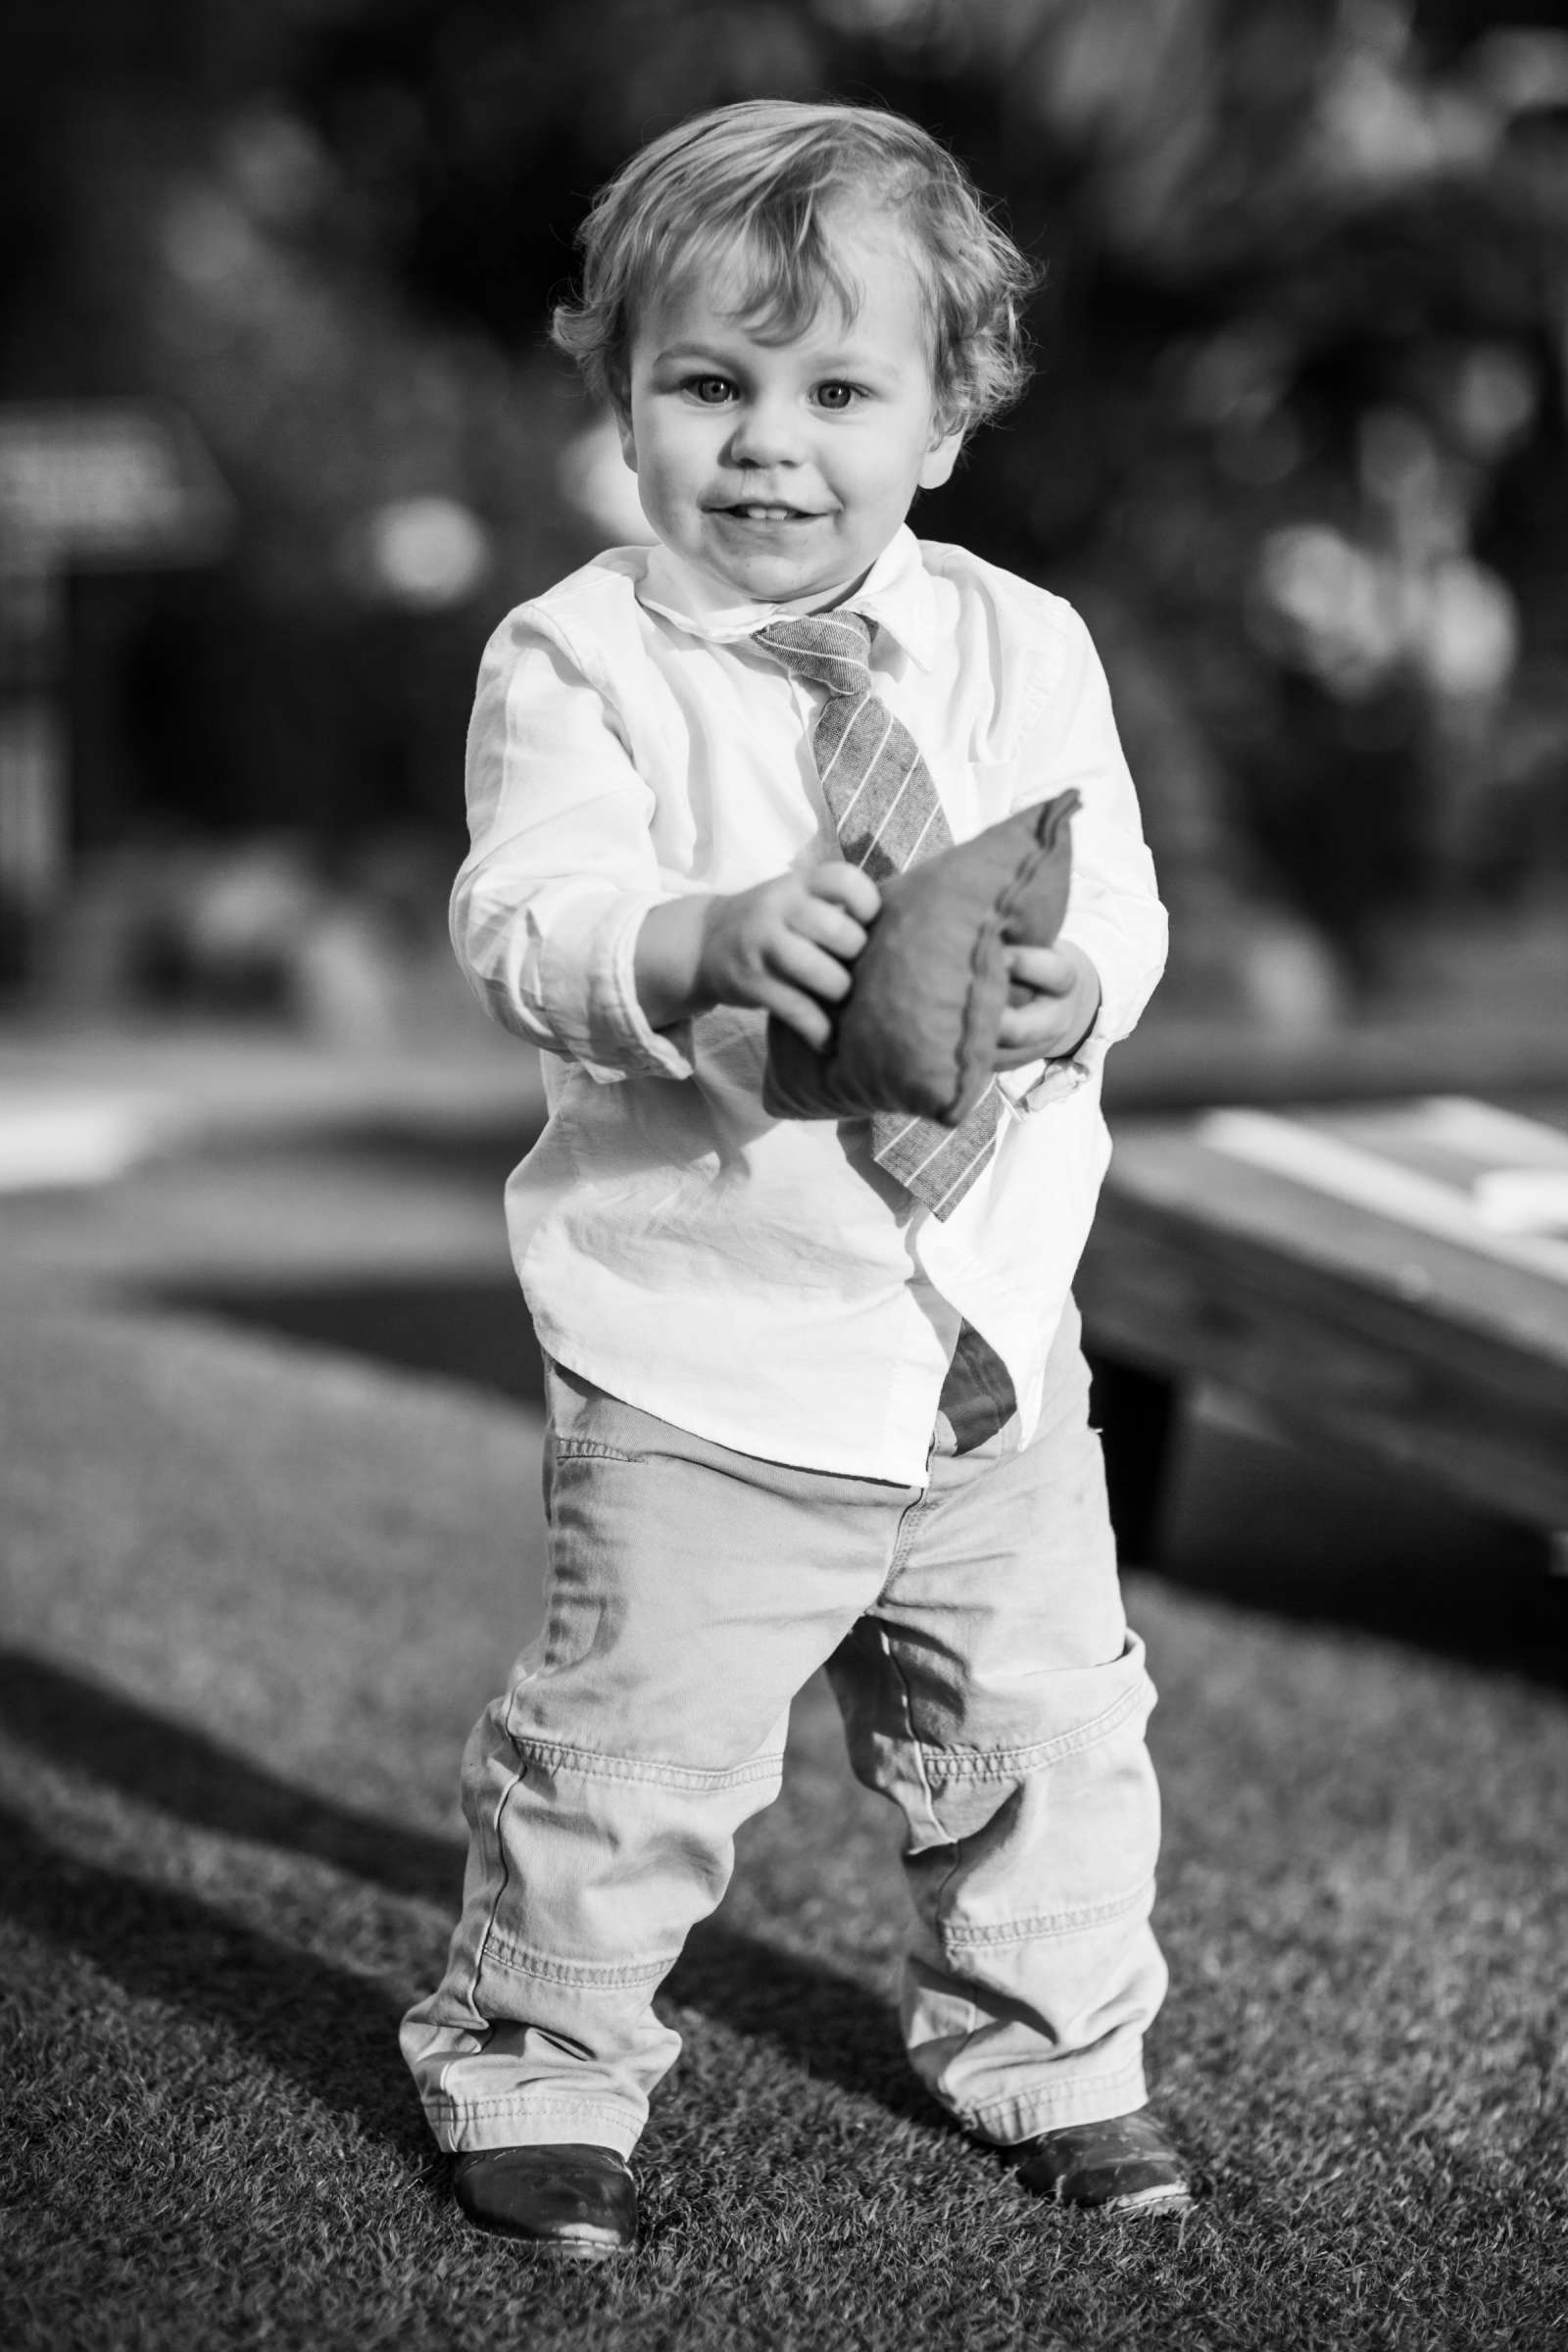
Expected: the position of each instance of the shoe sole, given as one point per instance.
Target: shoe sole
(571, 2249)
(558, 2249)
(1176, 2199)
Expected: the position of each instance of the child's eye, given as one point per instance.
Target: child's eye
(712, 390)
(836, 396)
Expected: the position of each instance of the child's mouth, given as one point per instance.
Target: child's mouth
(756, 512)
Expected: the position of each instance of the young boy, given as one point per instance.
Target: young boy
(815, 1398)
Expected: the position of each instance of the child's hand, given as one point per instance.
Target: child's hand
(787, 945)
(1059, 1011)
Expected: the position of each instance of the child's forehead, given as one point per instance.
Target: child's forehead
(736, 276)
(764, 306)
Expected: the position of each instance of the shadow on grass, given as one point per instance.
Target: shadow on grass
(91, 1728)
(333, 2031)
(1279, 1533)
(818, 2019)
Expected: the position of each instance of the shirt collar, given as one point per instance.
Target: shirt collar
(896, 594)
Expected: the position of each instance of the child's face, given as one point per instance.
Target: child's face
(784, 468)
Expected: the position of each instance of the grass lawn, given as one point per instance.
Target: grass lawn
(256, 1589)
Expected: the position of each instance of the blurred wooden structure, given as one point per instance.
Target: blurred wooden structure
(1390, 1279)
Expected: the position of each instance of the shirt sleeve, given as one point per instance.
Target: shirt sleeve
(1113, 908)
(562, 868)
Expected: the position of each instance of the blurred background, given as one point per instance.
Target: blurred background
(281, 438)
(280, 441)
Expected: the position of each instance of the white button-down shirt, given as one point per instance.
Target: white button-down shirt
(762, 1282)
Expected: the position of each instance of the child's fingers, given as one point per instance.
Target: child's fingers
(1018, 1057)
(1045, 970)
(847, 886)
(1057, 999)
(830, 926)
(803, 1013)
(1028, 1031)
(802, 963)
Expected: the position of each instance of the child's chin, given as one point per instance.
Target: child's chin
(775, 581)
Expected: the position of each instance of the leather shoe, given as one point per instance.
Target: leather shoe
(1125, 2166)
(568, 2199)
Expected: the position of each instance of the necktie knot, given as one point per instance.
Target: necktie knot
(833, 649)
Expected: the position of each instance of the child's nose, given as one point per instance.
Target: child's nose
(766, 432)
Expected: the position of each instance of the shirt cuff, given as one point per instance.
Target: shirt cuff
(1018, 1084)
(1128, 975)
(592, 980)
(1038, 1084)
(1035, 1084)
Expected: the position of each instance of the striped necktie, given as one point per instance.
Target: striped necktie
(884, 805)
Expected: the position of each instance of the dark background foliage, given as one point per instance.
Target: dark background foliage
(1294, 442)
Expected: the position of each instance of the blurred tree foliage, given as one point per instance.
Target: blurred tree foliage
(1295, 441)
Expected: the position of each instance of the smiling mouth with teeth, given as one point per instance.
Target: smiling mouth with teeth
(756, 512)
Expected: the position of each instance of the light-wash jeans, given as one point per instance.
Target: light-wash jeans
(974, 1637)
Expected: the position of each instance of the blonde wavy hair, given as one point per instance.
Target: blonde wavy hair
(750, 189)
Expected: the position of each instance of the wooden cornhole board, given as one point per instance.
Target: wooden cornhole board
(1391, 1279)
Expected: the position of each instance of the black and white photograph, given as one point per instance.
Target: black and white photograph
(784, 1176)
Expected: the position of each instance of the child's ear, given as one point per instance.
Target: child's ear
(940, 459)
(622, 411)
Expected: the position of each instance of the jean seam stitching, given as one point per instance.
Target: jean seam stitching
(914, 1744)
(996, 1763)
(918, 1749)
(910, 1522)
(448, 2105)
(1042, 1924)
(608, 1975)
(503, 1881)
(651, 1771)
